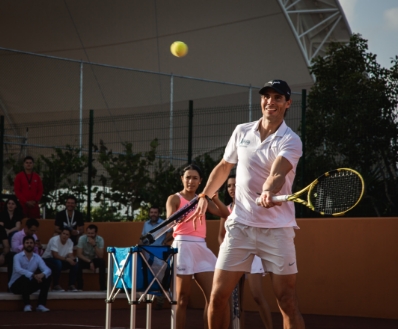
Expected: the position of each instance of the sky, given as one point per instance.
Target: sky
(377, 22)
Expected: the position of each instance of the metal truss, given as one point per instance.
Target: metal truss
(316, 23)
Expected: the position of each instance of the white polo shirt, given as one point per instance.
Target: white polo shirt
(56, 245)
(254, 159)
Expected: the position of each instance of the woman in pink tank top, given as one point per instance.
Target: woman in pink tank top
(194, 259)
(255, 278)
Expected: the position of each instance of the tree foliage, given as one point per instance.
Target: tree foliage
(127, 174)
(351, 121)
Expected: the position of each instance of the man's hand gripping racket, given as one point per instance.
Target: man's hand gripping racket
(334, 193)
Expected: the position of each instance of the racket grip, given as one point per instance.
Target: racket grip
(276, 198)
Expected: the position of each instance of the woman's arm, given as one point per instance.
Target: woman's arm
(221, 231)
(172, 204)
(218, 208)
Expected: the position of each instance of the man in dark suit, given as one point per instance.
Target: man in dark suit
(70, 218)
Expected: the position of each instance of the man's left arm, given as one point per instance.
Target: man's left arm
(80, 224)
(44, 268)
(39, 193)
(99, 248)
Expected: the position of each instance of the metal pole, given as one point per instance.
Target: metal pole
(303, 110)
(81, 111)
(190, 127)
(90, 164)
(1, 152)
(171, 118)
(250, 103)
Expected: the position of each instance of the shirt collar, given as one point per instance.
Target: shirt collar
(279, 133)
(157, 222)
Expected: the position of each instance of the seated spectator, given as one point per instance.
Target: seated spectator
(11, 216)
(25, 278)
(153, 221)
(70, 218)
(165, 239)
(5, 253)
(58, 256)
(90, 252)
(28, 188)
(30, 229)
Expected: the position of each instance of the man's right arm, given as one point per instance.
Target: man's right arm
(79, 254)
(18, 268)
(217, 177)
(18, 188)
(16, 243)
(58, 223)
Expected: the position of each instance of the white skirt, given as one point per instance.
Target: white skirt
(193, 256)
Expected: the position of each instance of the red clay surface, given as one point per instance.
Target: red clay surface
(161, 320)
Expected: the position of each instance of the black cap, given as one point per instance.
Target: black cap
(280, 86)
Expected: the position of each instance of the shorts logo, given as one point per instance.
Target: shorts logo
(180, 268)
(290, 264)
(244, 142)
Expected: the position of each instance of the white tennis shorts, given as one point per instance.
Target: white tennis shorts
(275, 247)
(193, 255)
(257, 266)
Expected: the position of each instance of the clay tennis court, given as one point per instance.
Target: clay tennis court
(59, 319)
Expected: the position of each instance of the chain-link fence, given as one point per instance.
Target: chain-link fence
(46, 103)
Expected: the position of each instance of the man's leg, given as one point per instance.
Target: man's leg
(73, 269)
(224, 283)
(81, 264)
(44, 287)
(55, 266)
(285, 292)
(100, 264)
(23, 286)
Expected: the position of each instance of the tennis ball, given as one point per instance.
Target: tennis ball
(179, 49)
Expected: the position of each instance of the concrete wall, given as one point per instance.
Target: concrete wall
(347, 266)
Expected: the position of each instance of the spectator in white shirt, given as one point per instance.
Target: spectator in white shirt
(30, 274)
(58, 256)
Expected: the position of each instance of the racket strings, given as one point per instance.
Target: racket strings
(337, 192)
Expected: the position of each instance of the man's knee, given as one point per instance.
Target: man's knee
(288, 302)
(219, 297)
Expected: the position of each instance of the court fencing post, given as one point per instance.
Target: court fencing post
(1, 151)
(303, 110)
(90, 164)
(190, 127)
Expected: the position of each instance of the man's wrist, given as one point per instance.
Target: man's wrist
(203, 195)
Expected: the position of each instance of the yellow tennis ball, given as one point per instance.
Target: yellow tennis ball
(179, 49)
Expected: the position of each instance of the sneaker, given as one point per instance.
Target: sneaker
(72, 288)
(41, 308)
(27, 308)
(57, 288)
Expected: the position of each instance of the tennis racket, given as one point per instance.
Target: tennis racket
(236, 309)
(170, 222)
(334, 193)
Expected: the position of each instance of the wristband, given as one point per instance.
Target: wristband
(202, 195)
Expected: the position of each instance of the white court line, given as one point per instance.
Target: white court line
(58, 325)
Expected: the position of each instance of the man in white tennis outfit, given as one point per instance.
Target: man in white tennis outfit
(267, 152)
